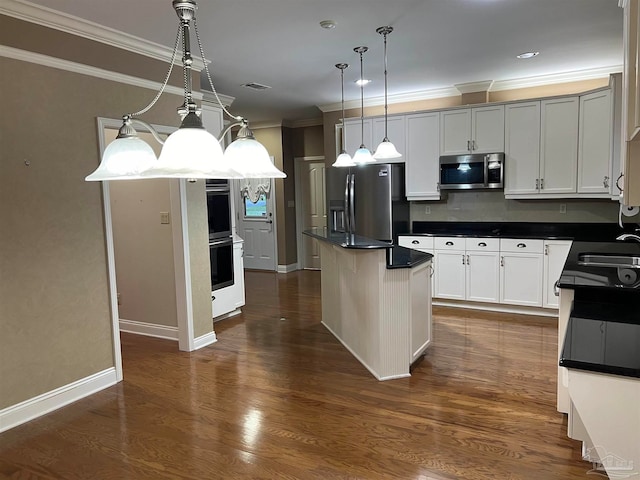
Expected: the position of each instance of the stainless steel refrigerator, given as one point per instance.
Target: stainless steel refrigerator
(368, 200)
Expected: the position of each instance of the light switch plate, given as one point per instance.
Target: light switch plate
(164, 218)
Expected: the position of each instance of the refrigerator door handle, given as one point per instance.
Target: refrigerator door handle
(347, 208)
(352, 206)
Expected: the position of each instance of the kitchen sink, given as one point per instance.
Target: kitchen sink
(608, 260)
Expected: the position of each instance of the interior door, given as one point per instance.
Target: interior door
(314, 209)
(255, 224)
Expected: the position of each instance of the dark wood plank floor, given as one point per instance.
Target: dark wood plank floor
(277, 397)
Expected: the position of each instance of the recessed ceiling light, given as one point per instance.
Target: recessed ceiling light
(328, 24)
(528, 55)
(362, 82)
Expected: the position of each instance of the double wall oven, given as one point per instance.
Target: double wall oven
(220, 233)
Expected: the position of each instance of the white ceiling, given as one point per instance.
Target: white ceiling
(435, 44)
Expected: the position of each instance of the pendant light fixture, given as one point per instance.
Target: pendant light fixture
(189, 152)
(362, 155)
(386, 150)
(344, 159)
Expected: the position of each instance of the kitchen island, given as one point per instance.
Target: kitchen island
(599, 353)
(376, 300)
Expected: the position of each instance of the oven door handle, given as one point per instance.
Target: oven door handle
(223, 241)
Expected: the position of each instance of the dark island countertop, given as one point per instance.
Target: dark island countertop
(397, 257)
(604, 338)
(601, 232)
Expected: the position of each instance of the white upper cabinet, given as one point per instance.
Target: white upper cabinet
(353, 135)
(594, 145)
(522, 148)
(472, 130)
(558, 145)
(396, 132)
(422, 156)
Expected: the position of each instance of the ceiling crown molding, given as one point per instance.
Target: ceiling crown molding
(497, 85)
(47, 17)
(473, 87)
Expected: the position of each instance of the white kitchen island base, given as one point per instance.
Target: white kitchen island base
(381, 315)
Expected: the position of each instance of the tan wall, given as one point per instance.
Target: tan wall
(308, 141)
(288, 254)
(54, 305)
(143, 249)
(199, 258)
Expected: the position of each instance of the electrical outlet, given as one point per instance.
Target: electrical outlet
(563, 208)
(164, 218)
(427, 210)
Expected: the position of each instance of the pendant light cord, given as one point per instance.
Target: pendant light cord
(361, 102)
(385, 87)
(344, 134)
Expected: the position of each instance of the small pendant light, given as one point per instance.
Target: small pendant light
(386, 150)
(344, 159)
(362, 155)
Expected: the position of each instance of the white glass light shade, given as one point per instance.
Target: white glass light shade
(343, 160)
(386, 151)
(362, 156)
(124, 159)
(249, 157)
(191, 153)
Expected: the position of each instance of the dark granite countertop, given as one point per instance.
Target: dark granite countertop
(577, 275)
(601, 232)
(397, 257)
(604, 338)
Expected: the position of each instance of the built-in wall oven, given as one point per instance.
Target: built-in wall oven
(220, 233)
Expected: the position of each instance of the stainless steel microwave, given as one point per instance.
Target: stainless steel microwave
(478, 170)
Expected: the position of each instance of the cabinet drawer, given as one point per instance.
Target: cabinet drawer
(516, 245)
(482, 244)
(449, 243)
(416, 242)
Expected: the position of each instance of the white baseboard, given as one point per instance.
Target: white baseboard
(204, 340)
(496, 307)
(47, 402)
(292, 267)
(232, 313)
(149, 329)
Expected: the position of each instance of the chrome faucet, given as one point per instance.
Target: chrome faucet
(629, 236)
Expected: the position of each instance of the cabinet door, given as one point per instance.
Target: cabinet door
(559, 145)
(396, 132)
(450, 274)
(594, 144)
(521, 279)
(631, 97)
(422, 156)
(483, 277)
(487, 129)
(455, 132)
(420, 331)
(522, 148)
(555, 255)
(353, 135)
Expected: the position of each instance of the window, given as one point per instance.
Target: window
(257, 209)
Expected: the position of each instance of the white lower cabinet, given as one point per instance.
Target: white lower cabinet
(555, 255)
(521, 272)
(507, 271)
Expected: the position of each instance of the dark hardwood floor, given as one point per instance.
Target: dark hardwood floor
(278, 397)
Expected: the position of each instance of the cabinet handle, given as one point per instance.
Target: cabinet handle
(415, 242)
(521, 245)
(431, 269)
(542, 184)
(482, 244)
(213, 297)
(449, 243)
(473, 145)
(463, 260)
(546, 250)
(469, 145)
(468, 262)
(556, 290)
(438, 186)
(605, 182)
(618, 182)
(537, 184)
(502, 261)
